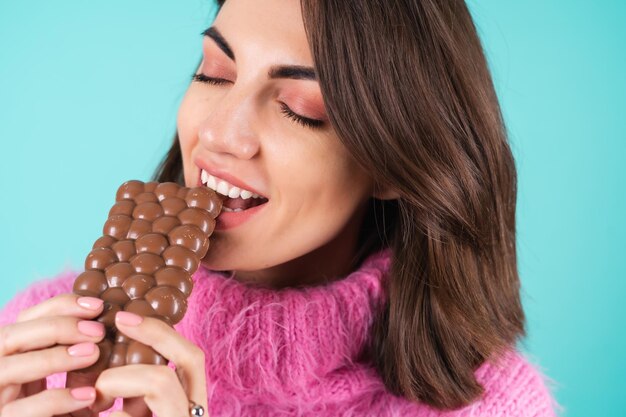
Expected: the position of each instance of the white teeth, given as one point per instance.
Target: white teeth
(222, 187)
(231, 210)
(225, 188)
(234, 192)
(211, 182)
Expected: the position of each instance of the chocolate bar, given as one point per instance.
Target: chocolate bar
(152, 243)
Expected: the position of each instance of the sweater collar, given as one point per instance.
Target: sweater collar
(257, 339)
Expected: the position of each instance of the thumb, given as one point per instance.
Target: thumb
(81, 379)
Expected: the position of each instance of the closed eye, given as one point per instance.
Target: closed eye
(208, 80)
(304, 121)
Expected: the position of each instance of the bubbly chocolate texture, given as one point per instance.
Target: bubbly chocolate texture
(153, 241)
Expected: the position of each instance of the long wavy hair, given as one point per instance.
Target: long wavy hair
(407, 88)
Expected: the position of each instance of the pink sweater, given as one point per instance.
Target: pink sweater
(292, 352)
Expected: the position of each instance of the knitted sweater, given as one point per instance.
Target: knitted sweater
(293, 352)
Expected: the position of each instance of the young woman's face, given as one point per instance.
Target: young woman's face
(238, 131)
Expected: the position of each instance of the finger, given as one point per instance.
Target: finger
(50, 403)
(157, 384)
(48, 331)
(63, 305)
(10, 392)
(165, 340)
(30, 366)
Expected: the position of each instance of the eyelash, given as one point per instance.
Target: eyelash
(284, 109)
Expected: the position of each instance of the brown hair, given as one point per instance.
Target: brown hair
(407, 88)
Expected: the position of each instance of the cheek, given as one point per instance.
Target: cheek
(334, 187)
(320, 210)
(340, 202)
(320, 171)
(349, 187)
(349, 184)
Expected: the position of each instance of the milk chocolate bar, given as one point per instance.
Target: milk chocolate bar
(152, 242)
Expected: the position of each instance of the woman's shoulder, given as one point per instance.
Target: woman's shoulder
(516, 385)
(35, 293)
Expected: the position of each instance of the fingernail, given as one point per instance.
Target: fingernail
(91, 328)
(82, 349)
(90, 303)
(128, 319)
(83, 393)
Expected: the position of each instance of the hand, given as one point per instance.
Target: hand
(33, 348)
(154, 389)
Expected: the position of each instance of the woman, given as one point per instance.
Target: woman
(365, 261)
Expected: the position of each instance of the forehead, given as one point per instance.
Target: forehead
(272, 28)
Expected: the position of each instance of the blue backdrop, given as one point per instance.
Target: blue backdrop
(88, 99)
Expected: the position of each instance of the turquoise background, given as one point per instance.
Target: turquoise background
(79, 80)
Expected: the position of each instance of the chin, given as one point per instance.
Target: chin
(214, 262)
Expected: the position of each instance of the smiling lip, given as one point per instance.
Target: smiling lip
(225, 176)
(230, 219)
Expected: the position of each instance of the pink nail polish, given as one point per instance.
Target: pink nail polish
(81, 349)
(83, 393)
(90, 303)
(128, 319)
(91, 328)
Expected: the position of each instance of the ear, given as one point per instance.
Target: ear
(386, 194)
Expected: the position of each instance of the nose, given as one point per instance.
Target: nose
(228, 127)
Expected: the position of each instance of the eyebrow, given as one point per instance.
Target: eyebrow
(295, 72)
